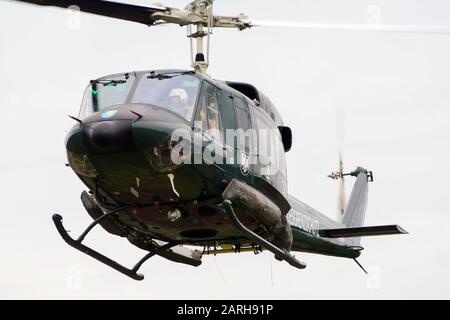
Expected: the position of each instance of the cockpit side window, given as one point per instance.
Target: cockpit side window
(227, 110)
(242, 114)
(210, 112)
(246, 139)
(271, 157)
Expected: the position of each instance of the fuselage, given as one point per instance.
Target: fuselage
(126, 150)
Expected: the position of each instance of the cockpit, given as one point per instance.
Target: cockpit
(174, 91)
(229, 119)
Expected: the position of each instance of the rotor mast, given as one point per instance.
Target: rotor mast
(199, 15)
(202, 8)
(200, 62)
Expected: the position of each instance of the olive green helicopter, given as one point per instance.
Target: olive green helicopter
(183, 165)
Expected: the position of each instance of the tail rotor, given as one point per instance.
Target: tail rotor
(339, 175)
(342, 198)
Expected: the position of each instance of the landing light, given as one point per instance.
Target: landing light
(174, 214)
(160, 157)
(81, 164)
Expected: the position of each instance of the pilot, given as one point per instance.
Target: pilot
(213, 117)
(178, 102)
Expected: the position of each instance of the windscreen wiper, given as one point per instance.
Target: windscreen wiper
(163, 76)
(111, 82)
(108, 82)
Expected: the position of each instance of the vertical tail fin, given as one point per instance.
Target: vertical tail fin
(352, 228)
(355, 212)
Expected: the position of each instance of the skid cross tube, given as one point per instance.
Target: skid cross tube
(132, 273)
(96, 221)
(284, 254)
(152, 253)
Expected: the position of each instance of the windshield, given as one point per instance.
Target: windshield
(176, 92)
(105, 92)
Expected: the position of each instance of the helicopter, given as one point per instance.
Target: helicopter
(175, 159)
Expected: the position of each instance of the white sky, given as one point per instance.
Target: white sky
(390, 90)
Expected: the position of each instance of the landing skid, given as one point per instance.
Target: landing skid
(77, 244)
(280, 253)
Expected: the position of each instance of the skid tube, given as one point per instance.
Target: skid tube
(77, 244)
(280, 253)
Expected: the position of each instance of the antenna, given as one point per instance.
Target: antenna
(360, 265)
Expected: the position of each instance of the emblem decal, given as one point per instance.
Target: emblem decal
(109, 114)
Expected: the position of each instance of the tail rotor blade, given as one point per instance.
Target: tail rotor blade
(341, 186)
(340, 135)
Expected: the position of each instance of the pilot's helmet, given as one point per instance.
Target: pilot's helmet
(180, 93)
(212, 101)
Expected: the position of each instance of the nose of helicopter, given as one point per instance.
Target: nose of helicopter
(126, 153)
(128, 128)
(103, 137)
(126, 132)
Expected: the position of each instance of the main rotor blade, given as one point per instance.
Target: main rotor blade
(111, 9)
(354, 27)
